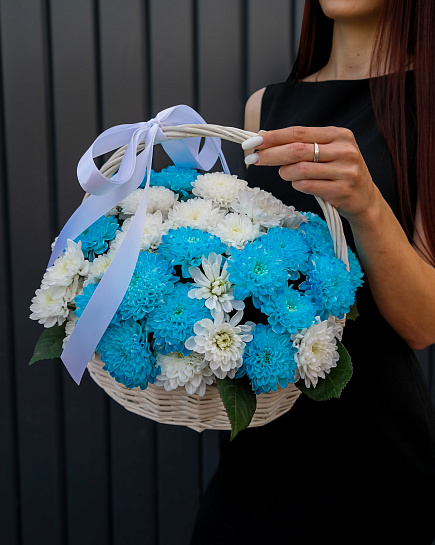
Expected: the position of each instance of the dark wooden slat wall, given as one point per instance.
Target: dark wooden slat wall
(76, 468)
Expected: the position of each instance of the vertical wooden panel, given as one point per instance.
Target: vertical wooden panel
(269, 42)
(76, 126)
(9, 487)
(220, 85)
(28, 143)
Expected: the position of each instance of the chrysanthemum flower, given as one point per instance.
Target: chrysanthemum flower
(191, 371)
(152, 280)
(173, 319)
(356, 273)
(220, 188)
(261, 206)
(316, 351)
(236, 230)
(98, 267)
(316, 234)
(154, 228)
(329, 285)
(292, 218)
(186, 246)
(66, 270)
(222, 343)
(268, 360)
(288, 310)
(177, 179)
(159, 198)
(195, 213)
(256, 271)
(82, 299)
(95, 238)
(213, 286)
(69, 326)
(126, 353)
(294, 251)
(50, 308)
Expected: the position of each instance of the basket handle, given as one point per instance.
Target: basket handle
(238, 136)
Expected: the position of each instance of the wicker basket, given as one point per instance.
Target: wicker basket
(177, 406)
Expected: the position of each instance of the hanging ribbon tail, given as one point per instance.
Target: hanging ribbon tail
(105, 194)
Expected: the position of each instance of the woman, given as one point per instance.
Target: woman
(345, 127)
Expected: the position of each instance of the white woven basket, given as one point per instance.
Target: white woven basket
(178, 407)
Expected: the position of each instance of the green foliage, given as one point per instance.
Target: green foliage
(49, 345)
(353, 313)
(239, 401)
(334, 382)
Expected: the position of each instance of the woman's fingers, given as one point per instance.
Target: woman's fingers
(292, 153)
(308, 135)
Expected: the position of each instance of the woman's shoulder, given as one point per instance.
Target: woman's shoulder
(253, 110)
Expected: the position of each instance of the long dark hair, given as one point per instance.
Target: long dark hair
(406, 30)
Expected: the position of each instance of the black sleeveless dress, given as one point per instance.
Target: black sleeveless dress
(359, 469)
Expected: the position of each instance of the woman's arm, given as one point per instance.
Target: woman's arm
(402, 282)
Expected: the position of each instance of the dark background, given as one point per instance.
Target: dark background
(75, 467)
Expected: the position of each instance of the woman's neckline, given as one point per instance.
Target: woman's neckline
(368, 79)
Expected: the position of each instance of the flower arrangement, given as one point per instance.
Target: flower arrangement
(213, 253)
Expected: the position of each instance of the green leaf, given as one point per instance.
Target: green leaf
(353, 313)
(334, 382)
(49, 345)
(239, 401)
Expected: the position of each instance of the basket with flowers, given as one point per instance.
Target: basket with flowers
(235, 304)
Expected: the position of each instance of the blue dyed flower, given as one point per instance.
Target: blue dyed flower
(186, 246)
(256, 271)
(316, 233)
(356, 273)
(177, 179)
(291, 246)
(83, 299)
(268, 360)
(127, 356)
(172, 320)
(288, 310)
(95, 237)
(329, 285)
(152, 280)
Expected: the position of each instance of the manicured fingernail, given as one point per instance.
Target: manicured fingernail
(252, 142)
(261, 131)
(251, 159)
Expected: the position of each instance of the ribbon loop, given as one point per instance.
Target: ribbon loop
(105, 193)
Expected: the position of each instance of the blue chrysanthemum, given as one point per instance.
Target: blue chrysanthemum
(288, 310)
(83, 299)
(256, 270)
(177, 179)
(127, 356)
(291, 246)
(329, 285)
(356, 273)
(316, 234)
(172, 321)
(95, 237)
(268, 360)
(152, 280)
(186, 246)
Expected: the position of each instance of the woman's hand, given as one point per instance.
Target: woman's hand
(340, 176)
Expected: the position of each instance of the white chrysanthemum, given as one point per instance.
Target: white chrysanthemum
(116, 242)
(50, 308)
(159, 198)
(154, 228)
(221, 188)
(236, 230)
(292, 218)
(69, 326)
(196, 213)
(222, 343)
(192, 372)
(213, 286)
(316, 352)
(261, 206)
(66, 270)
(98, 267)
